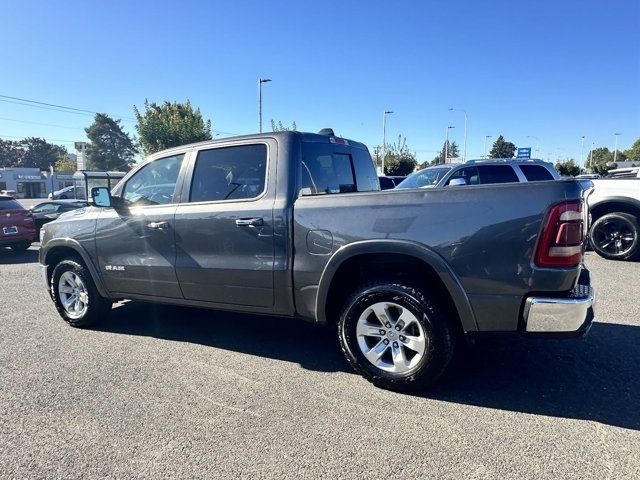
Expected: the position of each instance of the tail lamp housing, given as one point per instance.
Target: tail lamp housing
(561, 242)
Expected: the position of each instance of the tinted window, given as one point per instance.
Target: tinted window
(229, 173)
(497, 174)
(366, 178)
(469, 175)
(536, 173)
(326, 171)
(10, 205)
(155, 183)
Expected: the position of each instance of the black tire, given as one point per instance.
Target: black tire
(438, 331)
(21, 246)
(97, 307)
(615, 236)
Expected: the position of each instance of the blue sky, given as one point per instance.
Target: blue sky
(556, 70)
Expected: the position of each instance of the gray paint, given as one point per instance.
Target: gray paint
(479, 239)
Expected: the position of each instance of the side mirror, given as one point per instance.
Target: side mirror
(456, 182)
(101, 196)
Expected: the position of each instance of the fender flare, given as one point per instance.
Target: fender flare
(86, 258)
(616, 199)
(405, 247)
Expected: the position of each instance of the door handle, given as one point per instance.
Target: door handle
(250, 222)
(158, 225)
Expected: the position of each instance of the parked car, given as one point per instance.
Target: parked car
(588, 176)
(481, 172)
(389, 182)
(48, 211)
(64, 193)
(9, 193)
(615, 218)
(17, 226)
(306, 233)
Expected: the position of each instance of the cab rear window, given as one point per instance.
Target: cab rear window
(331, 168)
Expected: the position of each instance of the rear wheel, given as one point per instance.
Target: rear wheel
(396, 336)
(615, 236)
(76, 296)
(21, 246)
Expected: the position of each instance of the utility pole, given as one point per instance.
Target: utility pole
(446, 143)
(260, 82)
(591, 157)
(582, 152)
(384, 136)
(615, 149)
(485, 145)
(464, 151)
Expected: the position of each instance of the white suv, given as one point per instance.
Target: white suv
(481, 172)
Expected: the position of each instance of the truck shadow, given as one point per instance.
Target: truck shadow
(9, 257)
(596, 378)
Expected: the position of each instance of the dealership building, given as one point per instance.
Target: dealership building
(32, 183)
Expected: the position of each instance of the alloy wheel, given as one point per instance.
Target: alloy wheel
(391, 338)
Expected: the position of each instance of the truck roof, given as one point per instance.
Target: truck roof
(303, 136)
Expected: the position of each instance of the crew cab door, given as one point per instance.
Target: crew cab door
(136, 244)
(224, 226)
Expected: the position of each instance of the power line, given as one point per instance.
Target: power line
(39, 123)
(47, 139)
(53, 106)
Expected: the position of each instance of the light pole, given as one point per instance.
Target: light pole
(260, 82)
(446, 143)
(384, 136)
(582, 152)
(464, 150)
(615, 149)
(591, 156)
(485, 145)
(539, 143)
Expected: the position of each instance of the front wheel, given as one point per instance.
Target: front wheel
(615, 236)
(76, 296)
(396, 336)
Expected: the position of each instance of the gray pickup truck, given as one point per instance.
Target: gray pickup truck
(294, 224)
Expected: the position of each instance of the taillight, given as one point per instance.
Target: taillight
(562, 238)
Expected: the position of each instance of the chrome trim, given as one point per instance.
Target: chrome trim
(568, 314)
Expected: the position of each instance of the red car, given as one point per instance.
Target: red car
(17, 226)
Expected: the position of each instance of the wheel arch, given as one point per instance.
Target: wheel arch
(615, 204)
(59, 249)
(368, 252)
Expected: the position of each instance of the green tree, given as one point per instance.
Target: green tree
(9, 153)
(109, 148)
(568, 168)
(633, 153)
(65, 165)
(600, 160)
(170, 125)
(502, 149)
(398, 159)
(451, 150)
(279, 127)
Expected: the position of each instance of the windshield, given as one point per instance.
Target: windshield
(429, 177)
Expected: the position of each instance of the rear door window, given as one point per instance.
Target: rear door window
(536, 173)
(497, 174)
(229, 173)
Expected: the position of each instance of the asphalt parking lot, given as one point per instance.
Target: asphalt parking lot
(162, 391)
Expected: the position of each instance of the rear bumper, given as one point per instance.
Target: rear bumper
(569, 315)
